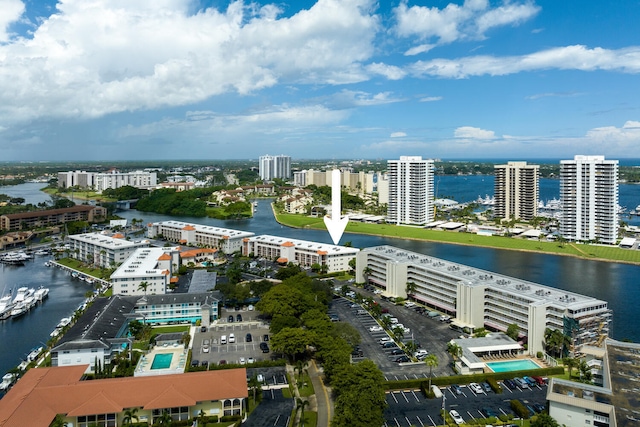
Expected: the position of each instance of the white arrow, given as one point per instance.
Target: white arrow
(335, 224)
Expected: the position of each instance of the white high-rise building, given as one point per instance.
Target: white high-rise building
(589, 198)
(272, 167)
(410, 190)
(516, 190)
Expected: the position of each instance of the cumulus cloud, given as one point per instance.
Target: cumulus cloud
(577, 57)
(629, 132)
(96, 57)
(469, 132)
(10, 12)
(350, 98)
(397, 135)
(459, 22)
(391, 72)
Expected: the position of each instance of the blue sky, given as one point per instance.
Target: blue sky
(186, 79)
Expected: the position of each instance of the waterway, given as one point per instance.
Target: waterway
(615, 283)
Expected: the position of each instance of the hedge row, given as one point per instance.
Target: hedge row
(475, 378)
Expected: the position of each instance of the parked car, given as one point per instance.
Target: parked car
(222, 362)
(204, 363)
(402, 359)
(421, 354)
(230, 318)
(384, 340)
(264, 347)
(265, 337)
(475, 387)
(239, 318)
(488, 412)
(539, 380)
(223, 339)
(397, 351)
(203, 329)
(242, 361)
(251, 360)
(376, 328)
(456, 417)
(455, 388)
(521, 383)
(529, 381)
(357, 352)
(486, 387)
(510, 384)
(248, 338)
(195, 363)
(389, 344)
(232, 338)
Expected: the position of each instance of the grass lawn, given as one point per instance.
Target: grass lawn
(306, 387)
(80, 266)
(310, 419)
(608, 253)
(80, 195)
(170, 329)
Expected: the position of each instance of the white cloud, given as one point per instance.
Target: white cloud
(398, 135)
(96, 57)
(391, 72)
(629, 132)
(431, 99)
(553, 94)
(459, 22)
(416, 50)
(350, 98)
(469, 132)
(576, 57)
(10, 12)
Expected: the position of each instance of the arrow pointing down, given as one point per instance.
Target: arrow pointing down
(335, 224)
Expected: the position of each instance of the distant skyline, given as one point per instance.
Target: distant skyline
(94, 80)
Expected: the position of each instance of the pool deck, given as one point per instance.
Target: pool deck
(510, 358)
(177, 366)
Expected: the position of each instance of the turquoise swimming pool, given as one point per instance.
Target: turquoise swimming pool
(513, 365)
(161, 361)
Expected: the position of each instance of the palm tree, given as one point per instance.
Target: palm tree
(454, 350)
(301, 404)
(432, 362)
(366, 272)
(300, 367)
(164, 419)
(129, 416)
(143, 286)
(570, 363)
(202, 419)
(411, 288)
(58, 421)
(398, 332)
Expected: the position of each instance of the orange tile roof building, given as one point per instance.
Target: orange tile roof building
(227, 240)
(43, 393)
(301, 252)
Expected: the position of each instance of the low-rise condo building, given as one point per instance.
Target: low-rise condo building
(102, 250)
(479, 298)
(225, 239)
(43, 393)
(52, 217)
(146, 271)
(300, 252)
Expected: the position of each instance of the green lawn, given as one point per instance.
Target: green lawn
(170, 329)
(608, 253)
(78, 265)
(306, 387)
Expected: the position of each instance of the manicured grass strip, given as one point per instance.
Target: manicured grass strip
(605, 253)
(170, 329)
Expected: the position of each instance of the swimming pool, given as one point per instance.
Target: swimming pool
(162, 361)
(513, 365)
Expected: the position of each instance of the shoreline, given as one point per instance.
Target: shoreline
(572, 245)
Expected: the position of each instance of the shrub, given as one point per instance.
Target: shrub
(228, 418)
(539, 355)
(519, 409)
(494, 385)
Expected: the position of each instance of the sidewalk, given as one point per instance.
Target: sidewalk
(323, 396)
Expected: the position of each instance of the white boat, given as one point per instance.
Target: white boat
(64, 322)
(7, 381)
(23, 293)
(41, 293)
(34, 354)
(47, 264)
(41, 252)
(19, 309)
(6, 305)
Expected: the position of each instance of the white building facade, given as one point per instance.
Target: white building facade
(516, 190)
(410, 191)
(113, 180)
(478, 298)
(589, 199)
(148, 271)
(300, 252)
(225, 239)
(272, 167)
(102, 250)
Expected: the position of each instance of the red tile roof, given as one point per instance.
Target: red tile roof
(44, 392)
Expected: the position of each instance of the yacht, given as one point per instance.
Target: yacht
(19, 309)
(23, 293)
(6, 305)
(7, 381)
(41, 293)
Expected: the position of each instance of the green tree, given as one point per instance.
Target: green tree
(570, 363)
(58, 421)
(346, 332)
(301, 404)
(432, 362)
(360, 396)
(143, 286)
(165, 419)
(291, 342)
(454, 350)
(544, 420)
(512, 331)
(130, 415)
(411, 288)
(202, 419)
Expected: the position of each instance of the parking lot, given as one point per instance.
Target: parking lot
(209, 348)
(407, 408)
(431, 334)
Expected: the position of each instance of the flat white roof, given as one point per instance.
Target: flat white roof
(305, 244)
(208, 229)
(451, 225)
(108, 242)
(143, 262)
(628, 241)
(534, 292)
(532, 233)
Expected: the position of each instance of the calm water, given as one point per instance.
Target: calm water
(615, 283)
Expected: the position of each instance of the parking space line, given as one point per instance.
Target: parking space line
(394, 397)
(276, 421)
(420, 421)
(397, 423)
(408, 422)
(414, 395)
(432, 422)
(500, 409)
(405, 398)
(472, 417)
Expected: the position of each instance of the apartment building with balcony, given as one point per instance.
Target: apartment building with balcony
(103, 250)
(147, 271)
(411, 191)
(516, 190)
(478, 298)
(227, 240)
(589, 199)
(301, 252)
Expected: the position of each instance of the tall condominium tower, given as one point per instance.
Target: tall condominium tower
(272, 167)
(516, 190)
(589, 198)
(410, 190)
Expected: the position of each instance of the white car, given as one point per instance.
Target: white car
(376, 328)
(456, 417)
(232, 338)
(384, 340)
(242, 361)
(475, 387)
(421, 354)
(251, 360)
(377, 291)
